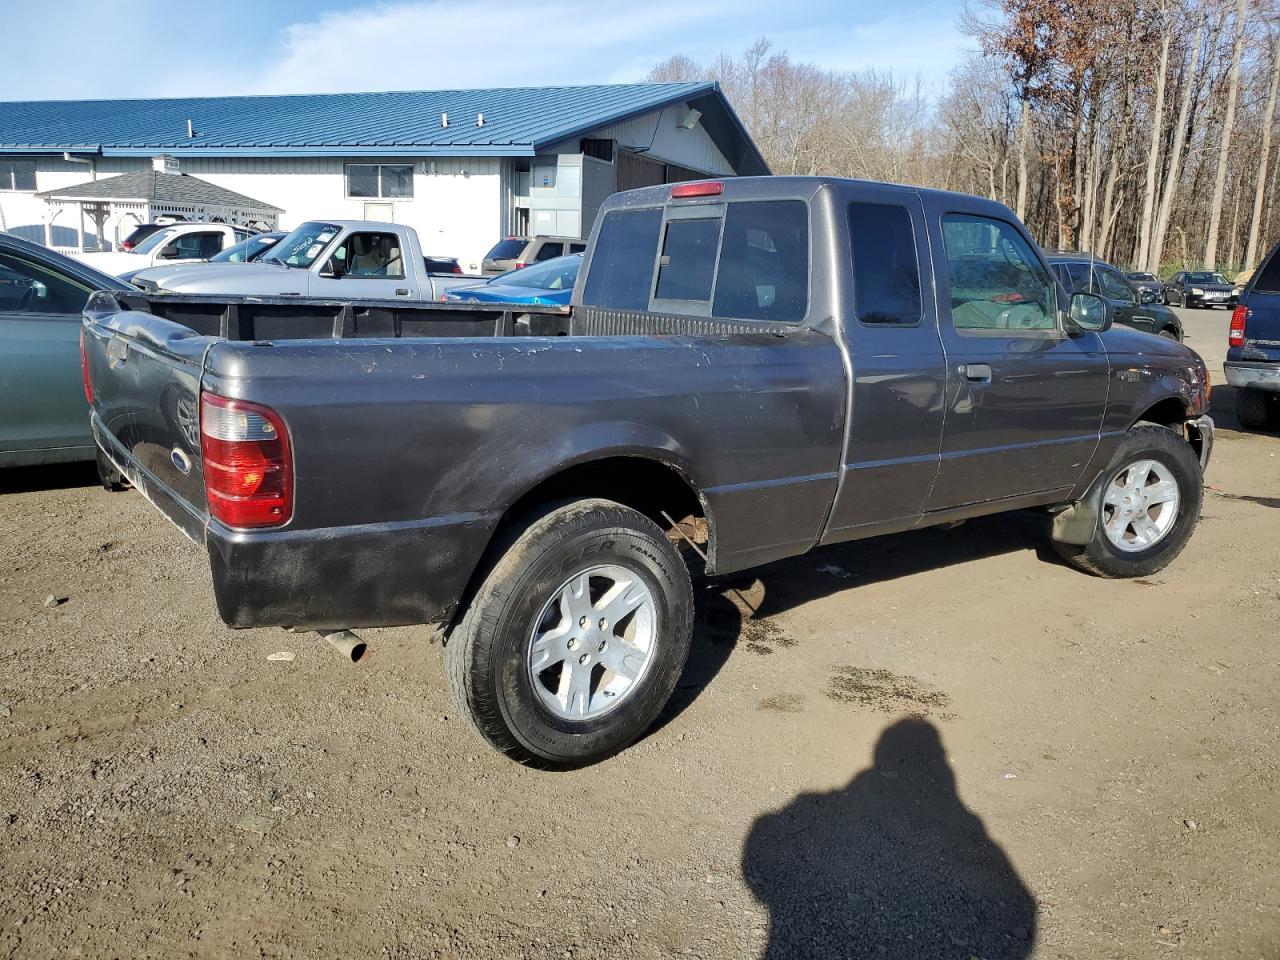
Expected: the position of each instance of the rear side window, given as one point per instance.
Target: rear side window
(886, 275)
(1269, 276)
(688, 264)
(621, 271)
(548, 251)
(764, 262)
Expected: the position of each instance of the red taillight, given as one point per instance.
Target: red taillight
(457, 268)
(126, 245)
(84, 370)
(1238, 317)
(520, 265)
(248, 466)
(700, 188)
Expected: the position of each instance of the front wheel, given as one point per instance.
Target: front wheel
(574, 642)
(1169, 333)
(1149, 501)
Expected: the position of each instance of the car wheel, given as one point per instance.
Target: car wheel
(576, 638)
(1169, 334)
(1257, 409)
(1148, 504)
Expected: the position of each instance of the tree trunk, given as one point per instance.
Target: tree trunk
(1228, 123)
(1021, 209)
(1175, 154)
(1153, 151)
(1255, 223)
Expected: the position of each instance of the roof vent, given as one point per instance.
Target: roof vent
(191, 131)
(479, 119)
(444, 119)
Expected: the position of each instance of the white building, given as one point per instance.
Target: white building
(463, 167)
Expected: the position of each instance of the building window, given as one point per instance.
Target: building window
(392, 181)
(17, 174)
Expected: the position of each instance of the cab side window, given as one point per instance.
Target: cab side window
(373, 256)
(886, 274)
(996, 282)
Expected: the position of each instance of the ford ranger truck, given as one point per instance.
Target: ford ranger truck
(750, 369)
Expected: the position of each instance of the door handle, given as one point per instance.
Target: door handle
(402, 291)
(976, 372)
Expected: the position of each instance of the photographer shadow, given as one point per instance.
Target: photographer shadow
(892, 866)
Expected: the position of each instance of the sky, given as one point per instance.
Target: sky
(103, 49)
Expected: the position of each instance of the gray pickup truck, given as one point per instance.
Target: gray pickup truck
(751, 369)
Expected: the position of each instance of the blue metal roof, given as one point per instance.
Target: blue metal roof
(517, 122)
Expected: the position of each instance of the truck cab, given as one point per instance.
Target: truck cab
(1253, 348)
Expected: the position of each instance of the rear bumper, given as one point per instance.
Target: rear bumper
(1259, 376)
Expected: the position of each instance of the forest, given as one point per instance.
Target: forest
(1139, 130)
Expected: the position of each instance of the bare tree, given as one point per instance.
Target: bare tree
(1268, 118)
(1224, 150)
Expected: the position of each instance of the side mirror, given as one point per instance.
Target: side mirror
(334, 269)
(1148, 296)
(1089, 312)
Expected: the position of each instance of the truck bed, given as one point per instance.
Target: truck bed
(295, 318)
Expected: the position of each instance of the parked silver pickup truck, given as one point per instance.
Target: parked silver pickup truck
(333, 259)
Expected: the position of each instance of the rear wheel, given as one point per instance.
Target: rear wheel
(574, 642)
(1149, 501)
(1257, 409)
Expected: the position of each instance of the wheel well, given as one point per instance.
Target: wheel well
(1169, 412)
(648, 486)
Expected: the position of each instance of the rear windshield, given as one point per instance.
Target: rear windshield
(1141, 276)
(506, 250)
(1205, 278)
(750, 262)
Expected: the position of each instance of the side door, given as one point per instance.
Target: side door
(1024, 399)
(897, 367)
(1173, 288)
(42, 403)
(1127, 305)
(365, 265)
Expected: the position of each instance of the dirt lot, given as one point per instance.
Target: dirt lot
(944, 744)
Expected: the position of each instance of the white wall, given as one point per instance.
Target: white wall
(457, 209)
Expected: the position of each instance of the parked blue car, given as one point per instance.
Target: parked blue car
(549, 283)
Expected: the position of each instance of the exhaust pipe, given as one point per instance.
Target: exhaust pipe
(346, 643)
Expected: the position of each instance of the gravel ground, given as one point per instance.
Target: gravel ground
(943, 744)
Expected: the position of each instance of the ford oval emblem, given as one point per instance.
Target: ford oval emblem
(180, 460)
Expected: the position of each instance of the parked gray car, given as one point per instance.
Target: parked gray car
(43, 414)
(749, 369)
(516, 253)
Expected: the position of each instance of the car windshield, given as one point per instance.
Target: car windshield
(153, 241)
(245, 250)
(507, 249)
(557, 274)
(303, 245)
(1141, 276)
(1205, 278)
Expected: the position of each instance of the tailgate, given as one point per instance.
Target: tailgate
(1262, 326)
(145, 372)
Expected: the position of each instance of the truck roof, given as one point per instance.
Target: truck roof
(783, 187)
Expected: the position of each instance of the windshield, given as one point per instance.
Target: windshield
(303, 245)
(1141, 276)
(153, 241)
(507, 249)
(1205, 278)
(557, 274)
(245, 250)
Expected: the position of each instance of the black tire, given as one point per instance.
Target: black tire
(110, 478)
(486, 662)
(1146, 441)
(1169, 334)
(1256, 409)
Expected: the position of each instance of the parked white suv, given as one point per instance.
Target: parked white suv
(177, 243)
